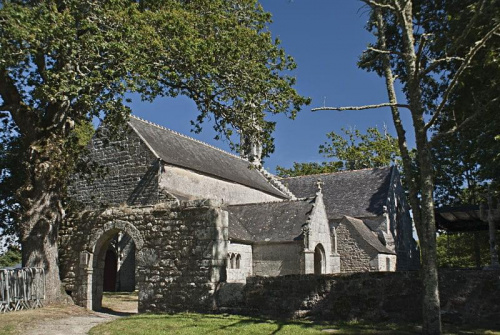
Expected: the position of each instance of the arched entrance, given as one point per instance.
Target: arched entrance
(112, 264)
(319, 260)
(110, 271)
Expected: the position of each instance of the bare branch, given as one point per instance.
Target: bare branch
(375, 4)
(464, 123)
(468, 58)
(435, 63)
(358, 108)
(387, 52)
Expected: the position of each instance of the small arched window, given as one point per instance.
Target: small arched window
(238, 261)
(231, 261)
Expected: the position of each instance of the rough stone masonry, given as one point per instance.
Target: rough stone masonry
(180, 253)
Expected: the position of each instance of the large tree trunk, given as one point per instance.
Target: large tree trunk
(40, 249)
(427, 235)
(425, 222)
(40, 198)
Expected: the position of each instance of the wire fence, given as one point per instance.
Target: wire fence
(21, 289)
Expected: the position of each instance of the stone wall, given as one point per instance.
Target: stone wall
(386, 262)
(187, 184)
(467, 296)
(356, 255)
(235, 273)
(319, 234)
(277, 259)
(180, 253)
(125, 280)
(129, 173)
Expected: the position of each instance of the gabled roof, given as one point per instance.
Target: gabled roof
(183, 151)
(366, 234)
(269, 221)
(359, 193)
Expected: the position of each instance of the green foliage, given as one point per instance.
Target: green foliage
(352, 151)
(11, 257)
(457, 250)
(303, 169)
(78, 59)
(11, 179)
(463, 155)
(62, 63)
(467, 157)
(359, 151)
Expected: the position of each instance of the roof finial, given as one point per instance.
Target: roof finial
(319, 185)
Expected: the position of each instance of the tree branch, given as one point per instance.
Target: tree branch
(464, 123)
(468, 58)
(387, 52)
(358, 108)
(378, 5)
(13, 100)
(434, 64)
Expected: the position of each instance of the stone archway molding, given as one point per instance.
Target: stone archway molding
(124, 226)
(88, 258)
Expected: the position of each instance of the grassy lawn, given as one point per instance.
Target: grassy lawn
(190, 323)
(186, 323)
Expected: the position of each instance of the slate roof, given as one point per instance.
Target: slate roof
(183, 151)
(269, 221)
(359, 193)
(366, 234)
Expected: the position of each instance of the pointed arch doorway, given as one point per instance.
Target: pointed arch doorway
(319, 260)
(114, 250)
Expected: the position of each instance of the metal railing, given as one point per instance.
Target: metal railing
(21, 289)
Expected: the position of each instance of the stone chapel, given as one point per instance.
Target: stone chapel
(177, 218)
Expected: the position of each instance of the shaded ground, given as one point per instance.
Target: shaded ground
(220, 324)
(70, 319)
(67, 319)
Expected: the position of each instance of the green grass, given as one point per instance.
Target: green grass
(186, 323)
(190, 323)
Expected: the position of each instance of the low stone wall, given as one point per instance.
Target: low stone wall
(467, 296)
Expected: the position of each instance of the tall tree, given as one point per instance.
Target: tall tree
(63, 62)
(351, 151)
(404, 51)
(464, 147)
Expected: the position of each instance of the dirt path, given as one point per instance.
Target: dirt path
(74, 325)
(70, 319)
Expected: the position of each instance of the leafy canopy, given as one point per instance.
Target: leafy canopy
(65, 61)
(353, 150)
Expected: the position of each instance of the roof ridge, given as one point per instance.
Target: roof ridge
(276, 183)
(272, 202)
(190, 138)
(337, 172)
(270, 178)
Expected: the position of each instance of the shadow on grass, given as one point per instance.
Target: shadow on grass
(110, 311)
(236, 324)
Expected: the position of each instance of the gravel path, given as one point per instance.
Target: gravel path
(71, 325)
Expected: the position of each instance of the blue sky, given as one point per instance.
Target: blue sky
(326, 38)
